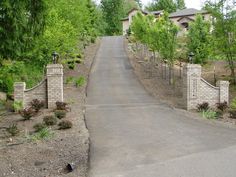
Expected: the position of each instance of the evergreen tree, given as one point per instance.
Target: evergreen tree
(112, 13)
(180, 4)
(167, 5)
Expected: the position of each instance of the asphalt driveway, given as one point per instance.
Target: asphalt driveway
(134, 135)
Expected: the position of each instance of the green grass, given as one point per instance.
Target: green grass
(43, 134)
(209, 114)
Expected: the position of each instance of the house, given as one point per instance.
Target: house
(181, 18)
(128, 20)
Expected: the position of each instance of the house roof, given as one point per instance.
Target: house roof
(190, 19)
(187, 12)
(153, 12)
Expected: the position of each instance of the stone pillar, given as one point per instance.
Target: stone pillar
(191, 85)
(224, 91)
(19, 88)
(54, 84)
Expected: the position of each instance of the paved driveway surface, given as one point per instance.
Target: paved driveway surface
(134, 135)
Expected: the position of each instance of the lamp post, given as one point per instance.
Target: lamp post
(190, 57)
(55, 57)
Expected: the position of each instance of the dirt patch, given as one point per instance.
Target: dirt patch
(20, 157)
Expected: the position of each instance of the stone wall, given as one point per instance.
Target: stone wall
(50, 90)
(196, 90)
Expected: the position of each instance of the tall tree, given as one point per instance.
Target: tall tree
(18, 30)
(167, 5)
(199, 40)
(224, 31)
(180, 4)
(112, 12)
(139, 3)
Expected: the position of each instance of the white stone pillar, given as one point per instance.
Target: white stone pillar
(19, 89)
(54, 84)
(224, 91)
(191, 85)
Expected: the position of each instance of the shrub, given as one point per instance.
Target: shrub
(39, 126)
(50, 120)
(27, 113)
(232, 113)
(18, 106)
(203, 106)
(60, 114)
(61, 105)
(69, 80)
(222, 106)
(80, 81)
(209, 114)
(43, 134)
(36, 104)
(13, 130)
(66, 124)
(233, 104)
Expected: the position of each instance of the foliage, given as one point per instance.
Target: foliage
(233, 104)
(203, 106)
(37, 104)
(222, 106)
(43, 134)
(39, 126)
(60, 114)
(112, 13)
(199, 40)
(232, 113)
(166, 5)
(27, 113)
(61, 106)
(224, 31)
(209, 114)
(69, 80)
(65, 124)
(180, 4)
(18, 106)
(25, 22)
(80, 81)
(50, 120)
(13, 130)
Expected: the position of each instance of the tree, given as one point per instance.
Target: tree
(180, 4)
(139, 3)
(199, 40)
(224, 31)
(21, 22)
(112, 13)
(166, 5)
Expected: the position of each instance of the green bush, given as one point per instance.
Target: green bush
(39, 126)
(18, 106)
(209, 114)
(69, 80)
(43, 134)
(13, 130)
(233, 104)
(80, 81)
(50, 120)
(60, 114)
(66, 124)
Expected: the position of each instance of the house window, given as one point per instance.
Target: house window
(185, 25)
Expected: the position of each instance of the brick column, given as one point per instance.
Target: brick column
(191, 85)
(19, 88)
(54, 84)
(224, 91)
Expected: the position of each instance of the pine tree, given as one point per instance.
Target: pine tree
(180, 4)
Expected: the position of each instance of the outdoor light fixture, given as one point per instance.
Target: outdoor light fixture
(190, 57)
(55, 57)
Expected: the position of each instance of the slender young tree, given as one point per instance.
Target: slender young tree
(199, 40)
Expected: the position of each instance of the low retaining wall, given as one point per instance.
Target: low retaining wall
(196, 90)
(50, 90)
